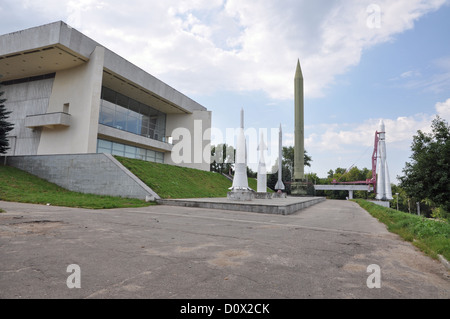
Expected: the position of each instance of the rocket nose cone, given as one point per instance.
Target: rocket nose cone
(298, 71)
(381, 126)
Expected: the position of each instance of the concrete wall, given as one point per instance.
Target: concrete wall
(78, 88)
(191, 138)
(24, 99)
(99, 174)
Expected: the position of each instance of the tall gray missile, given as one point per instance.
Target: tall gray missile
(280, 185)
(299, 148)
(299, 186)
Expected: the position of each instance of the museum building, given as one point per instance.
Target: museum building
(70, 95)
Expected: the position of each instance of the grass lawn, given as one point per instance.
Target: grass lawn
(167, 181)
(430, 236)
(19, 186)
(170, 181)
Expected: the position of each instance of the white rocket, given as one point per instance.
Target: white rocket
(280, 185)
(262, 172)
(384, 191)
(240, 181)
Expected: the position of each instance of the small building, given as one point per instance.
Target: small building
(70, 95)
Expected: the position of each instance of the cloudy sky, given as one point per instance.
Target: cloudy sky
(362, 61)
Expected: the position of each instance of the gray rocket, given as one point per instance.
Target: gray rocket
(280, 185)
(299, 149)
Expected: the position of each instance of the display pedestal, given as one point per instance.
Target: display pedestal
(241, 195)
(299, 188)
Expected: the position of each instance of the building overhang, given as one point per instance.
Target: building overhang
(38, 61)
(56, 46)
(132, 90)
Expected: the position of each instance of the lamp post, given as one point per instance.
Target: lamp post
(397, 200)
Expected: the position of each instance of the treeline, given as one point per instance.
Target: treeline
(424, 185)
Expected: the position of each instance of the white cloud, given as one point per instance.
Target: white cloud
(348, 137)
(436, 81)
(201, 46)
(443, 110)
(410, 74)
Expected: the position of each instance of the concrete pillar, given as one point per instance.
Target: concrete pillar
(350, 194)
(76, 91)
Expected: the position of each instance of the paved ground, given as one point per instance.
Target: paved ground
(173, 252)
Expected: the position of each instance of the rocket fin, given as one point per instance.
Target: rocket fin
(279, 185)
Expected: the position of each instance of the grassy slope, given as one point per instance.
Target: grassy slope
(170, 181)
(20, 186)
(430, 236)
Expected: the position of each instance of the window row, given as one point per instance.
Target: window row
(126, 114)
(114, 148)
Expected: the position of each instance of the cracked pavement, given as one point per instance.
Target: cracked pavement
(173, 252)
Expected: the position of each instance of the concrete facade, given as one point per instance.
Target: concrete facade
(53, 78)
(26, 99)
(99, 174)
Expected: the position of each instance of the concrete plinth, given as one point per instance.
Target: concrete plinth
(279, 206)
(263, 195)
(299, 188)
(279, 195)
(241, 195)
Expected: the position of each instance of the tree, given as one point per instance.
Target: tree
(222, 158)
(251, 173)
(285, 176)
(427, 176)
(5, 126)
(287, 168)
(288, 158)
(346, 175)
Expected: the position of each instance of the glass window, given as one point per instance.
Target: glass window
(122, 100)
(144, 131)
(133, 124)
(107, 114)
(124, 113)
(134, 106)
(104, 150)
(140, 153)
(130, 151)
(108, 95)
(121, 118)
(104, 144)
(118, 147)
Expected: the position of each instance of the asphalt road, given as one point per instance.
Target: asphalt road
(171, 252)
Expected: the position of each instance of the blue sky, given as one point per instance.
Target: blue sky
(235, 54)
